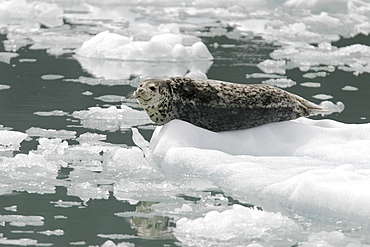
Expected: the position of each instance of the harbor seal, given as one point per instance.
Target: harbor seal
(218, 105)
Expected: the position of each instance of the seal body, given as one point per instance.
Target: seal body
(218, 105)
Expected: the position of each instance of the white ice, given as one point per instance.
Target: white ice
(5, 57)
(297, 164)
(111, 118)
(4, 87)
(51, 133)
(165, 46)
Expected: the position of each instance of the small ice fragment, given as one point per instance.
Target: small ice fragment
(246, 223)
(78, 243)
(11, 208)
(363, 118)
(322, 96)
(5, 57)
(52, 77)
(110, 243)
(280, 82)
(349, 88)
(117, 236)
(51, 113)
(51, 133)
(311, 84)
(11, 138)
(111, 98)
(196, 74)
(66, 204)
(91, 137)
(3, 87)
(22, 242)
(331, 107)
(27, 60)
(57, 232)
(87, 93)
(273, 66)
(22, 220)
(262, 75)
(60, 217)
(314, 75)
(334, 238)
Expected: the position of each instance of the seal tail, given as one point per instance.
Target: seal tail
(309, 107)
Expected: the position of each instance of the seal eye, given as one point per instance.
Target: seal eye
(152, 88)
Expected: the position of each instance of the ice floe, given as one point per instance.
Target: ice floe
(297, 164)
(111, 118)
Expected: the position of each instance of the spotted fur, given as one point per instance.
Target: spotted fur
(218, 105)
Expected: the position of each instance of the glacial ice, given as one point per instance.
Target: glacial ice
(297, 164)
(5, 57)
(4, 87)
(166, 46)
(238, 224)
(111, 118)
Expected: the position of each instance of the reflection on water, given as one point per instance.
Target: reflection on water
(121, 70)
(152, 227)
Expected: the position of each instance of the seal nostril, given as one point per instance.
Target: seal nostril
(140, 90)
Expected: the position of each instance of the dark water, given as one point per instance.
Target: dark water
(84, 222)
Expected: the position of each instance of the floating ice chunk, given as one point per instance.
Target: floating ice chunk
(197, 74)
(27, 60)
(111, 118)
(51, 113)
(262, 75)
(11, 208)
(57, 232)
(99, 81)
(322, 96)
(11, 138)
(117, 236)
(87, 191)
(22, 242)
(335, 238)
(110, 243)
(23, 220)
(52, 77)
(91, 137)
(78, 243)
(163, 46)
(3, 87)
(280, 82)
(66, 204)
(5, 57)
(319, 6)
(111, 98)
(51, 133)
(51, 15)
(87, 93)
(311, 84)
(272, 66)
(331, 107)
(238, 224)
(352, 58)
(349, 88)
(314, 75)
